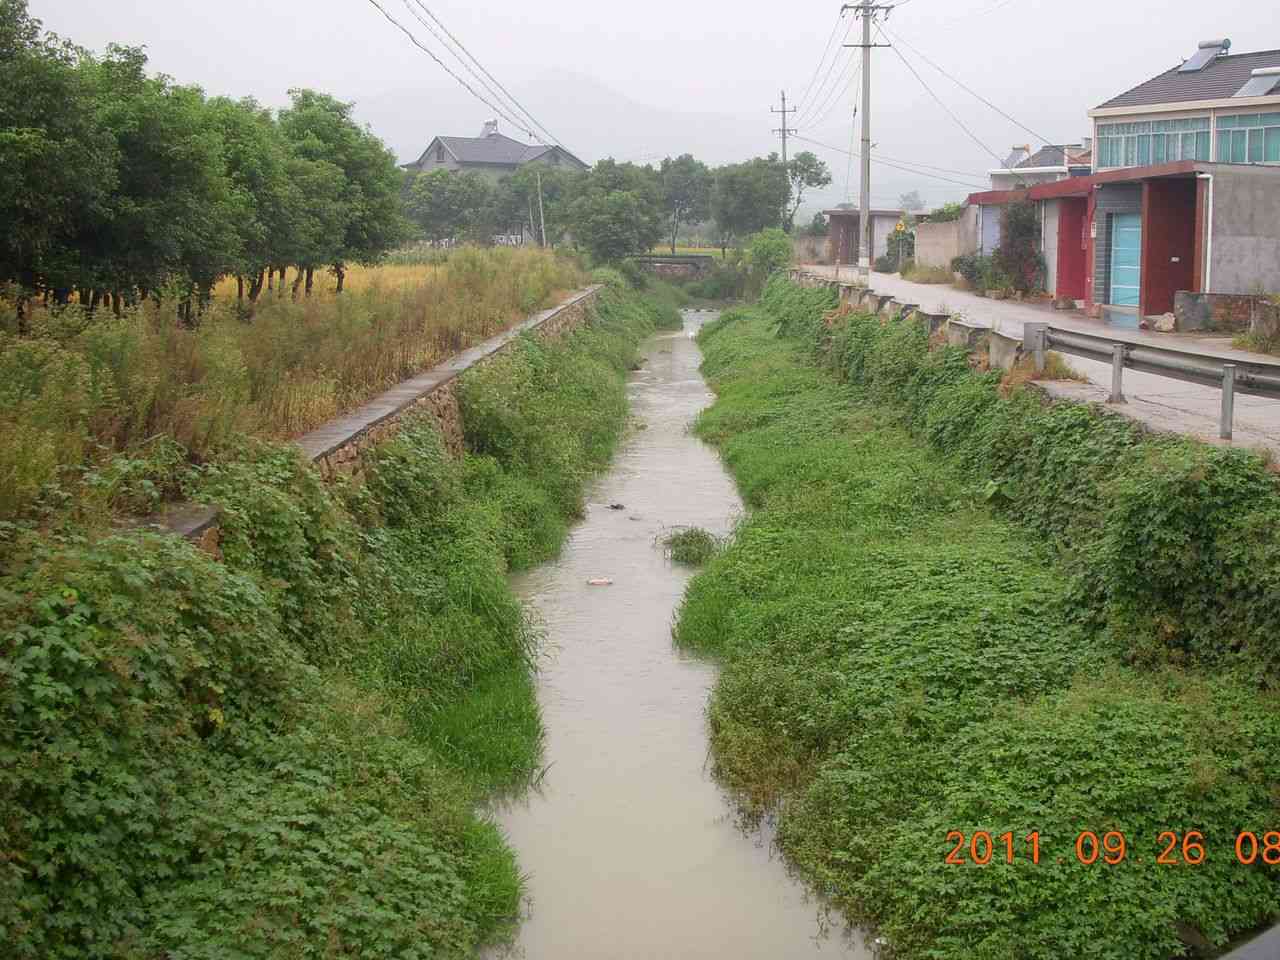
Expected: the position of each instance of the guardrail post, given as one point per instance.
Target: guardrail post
(1117, 374)
(1228, 401)
(1035, 342)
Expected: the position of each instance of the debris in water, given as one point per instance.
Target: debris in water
(600, 582)
(617, 506)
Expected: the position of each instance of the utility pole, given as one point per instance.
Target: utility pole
(785, 131)
(867, 11)
(542, 214)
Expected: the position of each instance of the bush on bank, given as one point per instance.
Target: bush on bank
(932, 622)
(279, 755)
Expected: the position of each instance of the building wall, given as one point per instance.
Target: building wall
(1245, 231)
(1049, 241)
(1110, 199)
(1168, 243)
(937, 244)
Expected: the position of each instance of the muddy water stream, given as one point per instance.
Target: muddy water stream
(632, 850)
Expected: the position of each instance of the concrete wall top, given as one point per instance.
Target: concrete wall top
(335, 434)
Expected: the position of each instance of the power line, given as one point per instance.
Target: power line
(960, 123)
(516, 103)
(916, 50)
(823, 90)
(845, 83)
(444, 66)
(896, 164)
(818, 69)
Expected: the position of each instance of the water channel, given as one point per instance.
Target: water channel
(631, 849)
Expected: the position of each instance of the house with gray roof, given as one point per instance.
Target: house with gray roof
(1215, 106)
(492, 154)
(1049, 163)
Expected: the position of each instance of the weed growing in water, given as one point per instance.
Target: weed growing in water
(691, 546)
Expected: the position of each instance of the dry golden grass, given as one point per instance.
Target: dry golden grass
(81, 386)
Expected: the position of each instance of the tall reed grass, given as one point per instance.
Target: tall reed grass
(78, 387)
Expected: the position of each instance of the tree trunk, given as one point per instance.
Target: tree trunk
(675, 229)
(311, 273)
(297, 282)
(340, 272)
(255, 286)
(117, 304)
(24, 327)
(240, 287)
(271, 279)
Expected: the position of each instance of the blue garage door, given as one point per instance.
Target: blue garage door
(1126, 259)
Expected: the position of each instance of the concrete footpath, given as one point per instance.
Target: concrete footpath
(1156, 401)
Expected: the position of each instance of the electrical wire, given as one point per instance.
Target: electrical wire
(960, 123)
(896, 164)
(959, 83)
(818, 69)
(510, 97)
(444, 66)
(845, 84)
(836, 69)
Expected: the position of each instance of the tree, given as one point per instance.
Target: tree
(749, 197)
(911, 202)
(320, 127)
(819, 227)
(517, 199)
(446, 205)
(767, 252)
(686, 186)
(615, 224)
(804, 172)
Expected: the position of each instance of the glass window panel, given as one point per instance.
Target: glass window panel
(1161, 149)
(1239, 146)
(1272, 150)
(1144, 150)
(1255, 146)
(1188, 146)
(1202, 146)
(1130, 151)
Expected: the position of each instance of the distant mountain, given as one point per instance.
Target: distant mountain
(594, 121)
(590, 119)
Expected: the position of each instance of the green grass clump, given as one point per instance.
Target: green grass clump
(949, 611)
(691, 546)
(281, 754)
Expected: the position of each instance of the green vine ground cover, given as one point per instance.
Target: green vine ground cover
(954, 611)
(281, 755)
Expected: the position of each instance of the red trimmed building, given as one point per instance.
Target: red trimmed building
(1185, 192)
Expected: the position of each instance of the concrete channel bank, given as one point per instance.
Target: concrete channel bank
(336, 446)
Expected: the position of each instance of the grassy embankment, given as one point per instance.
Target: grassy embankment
(95, 408)
(280, 755)
(952, 610)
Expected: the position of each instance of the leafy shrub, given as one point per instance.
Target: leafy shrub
(283, 752)
(952, 610)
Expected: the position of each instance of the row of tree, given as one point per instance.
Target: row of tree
(116, 185)
(616, 209)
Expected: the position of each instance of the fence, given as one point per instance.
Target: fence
(1252, 378)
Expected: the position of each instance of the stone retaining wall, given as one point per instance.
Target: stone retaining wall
(336, 447)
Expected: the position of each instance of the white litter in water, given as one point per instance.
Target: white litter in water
(600, 582)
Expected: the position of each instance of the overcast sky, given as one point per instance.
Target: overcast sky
(639, 81)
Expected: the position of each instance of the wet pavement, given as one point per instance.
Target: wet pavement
(631, 849)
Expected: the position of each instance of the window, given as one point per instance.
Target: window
(439, 153)
(1249, 138)
(1153, 141)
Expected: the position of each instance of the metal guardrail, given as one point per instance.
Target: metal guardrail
(1253, 378)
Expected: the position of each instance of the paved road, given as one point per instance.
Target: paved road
(1157, 401)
